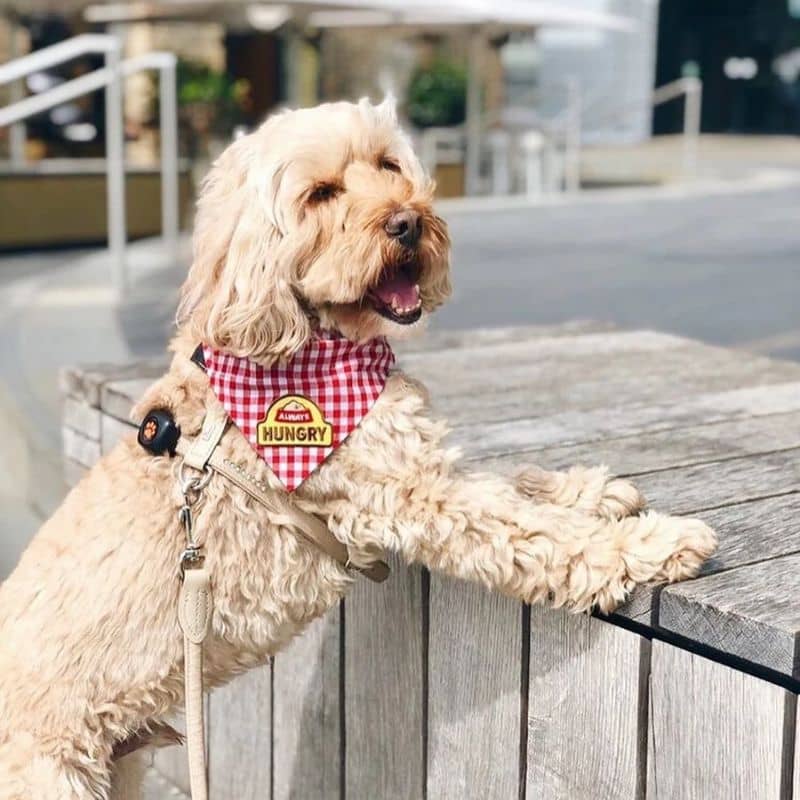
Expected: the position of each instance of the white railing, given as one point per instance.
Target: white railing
(110, 78)
(536, 148)
(692, 90)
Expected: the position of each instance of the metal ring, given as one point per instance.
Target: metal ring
(192, 483)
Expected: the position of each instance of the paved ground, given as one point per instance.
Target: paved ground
(722, 267)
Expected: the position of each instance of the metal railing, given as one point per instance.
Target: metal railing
(692, 89)
(109, 78)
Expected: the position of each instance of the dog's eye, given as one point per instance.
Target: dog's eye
(323, 192)
(389, 164)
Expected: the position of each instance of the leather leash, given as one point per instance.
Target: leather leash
(202, 458)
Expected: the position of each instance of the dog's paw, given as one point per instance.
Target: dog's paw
(655, 549)
(695, 544)
(590, 490)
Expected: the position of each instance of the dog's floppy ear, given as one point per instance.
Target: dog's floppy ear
(238, 296)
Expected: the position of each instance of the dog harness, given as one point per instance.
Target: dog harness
(294, 416)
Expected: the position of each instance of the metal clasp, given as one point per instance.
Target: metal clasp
(191, 488)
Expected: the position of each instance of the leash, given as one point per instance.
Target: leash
(199, 460)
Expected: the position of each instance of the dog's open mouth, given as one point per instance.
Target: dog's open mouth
(396, 296)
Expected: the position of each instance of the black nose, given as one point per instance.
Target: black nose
(405, 226)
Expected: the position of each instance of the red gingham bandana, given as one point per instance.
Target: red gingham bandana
(296, 414)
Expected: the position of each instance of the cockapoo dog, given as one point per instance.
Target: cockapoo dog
(301, 227)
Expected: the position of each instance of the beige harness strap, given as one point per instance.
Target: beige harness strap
(202, 454)
(194, 615)
(195, 602)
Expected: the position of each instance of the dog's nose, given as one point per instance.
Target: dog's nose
(405, 226)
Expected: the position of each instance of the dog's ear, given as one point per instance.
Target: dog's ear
(385, 111)
(388, 107)
(238, 295)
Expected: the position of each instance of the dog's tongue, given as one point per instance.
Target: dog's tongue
(397, 291)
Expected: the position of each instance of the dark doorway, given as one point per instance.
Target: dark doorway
(732, 45)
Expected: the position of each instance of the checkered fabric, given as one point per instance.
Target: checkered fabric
(341, 378)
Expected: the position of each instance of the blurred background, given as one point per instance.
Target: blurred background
(631, 161)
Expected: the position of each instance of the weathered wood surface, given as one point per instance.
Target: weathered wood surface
(306, 714)
(714, 732)
(86, 383)
(524, 381)
(676, 447)
(384, 688)
(588, 681)
(239, 732)
(474, 708)
(744, 612)
(418, 687)
(575, 427)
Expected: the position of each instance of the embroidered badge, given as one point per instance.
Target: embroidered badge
(294, 420)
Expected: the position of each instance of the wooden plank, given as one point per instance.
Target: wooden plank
(449, 339)
(754, 531)
(736, 480)
(384, 688)
(588, 381)
(81, 417)
(749, 532)
(575, 427)
(306, 742)
(85, 382)
(714, 732)
(475, 650)
(751, 612)
(659, 450)
(588, 681)
(240, 737)
(112, 431)
(118, 397)
(78, 448)
(462, 363)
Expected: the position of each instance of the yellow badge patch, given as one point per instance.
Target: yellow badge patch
(293, 420)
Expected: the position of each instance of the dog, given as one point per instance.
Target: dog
(320, 220)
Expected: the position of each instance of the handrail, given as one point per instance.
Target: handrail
(57, 54)
(115, 135)
(63, 93)
(110, 78)
(692, 90)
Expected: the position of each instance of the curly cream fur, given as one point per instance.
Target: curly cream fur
(90, 649)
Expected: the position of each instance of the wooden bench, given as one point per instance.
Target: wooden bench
(426, 687)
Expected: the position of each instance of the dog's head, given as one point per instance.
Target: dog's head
(321, 217)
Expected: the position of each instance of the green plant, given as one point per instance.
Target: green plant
(437, 95)
(198, 84)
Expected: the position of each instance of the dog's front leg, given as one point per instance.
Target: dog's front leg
(592, 490)
(481, 528)
(397, 486)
